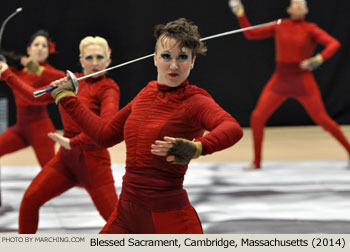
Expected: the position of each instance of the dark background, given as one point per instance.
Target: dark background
(234, 70)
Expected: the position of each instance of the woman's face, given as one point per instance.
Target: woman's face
(297, 9)
(94, 59)
(39, 49)
(173, 63)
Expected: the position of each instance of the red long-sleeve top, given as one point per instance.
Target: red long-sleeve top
(158, 111)
(35, 81)
(29, 110)
(295, 40)
(100, 95)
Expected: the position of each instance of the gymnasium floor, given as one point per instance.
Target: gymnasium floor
(304, 187)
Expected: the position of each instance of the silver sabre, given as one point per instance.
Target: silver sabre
(75, 80)
(5, 22)
(49, 89)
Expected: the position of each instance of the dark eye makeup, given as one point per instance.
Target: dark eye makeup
(180, 58)
(98, 57)
(165, 56)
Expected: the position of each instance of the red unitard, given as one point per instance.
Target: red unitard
(295, 41)
(33, 122)
(86, 164)
(153, 199)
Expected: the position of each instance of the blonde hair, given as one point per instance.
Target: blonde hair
(89, 40)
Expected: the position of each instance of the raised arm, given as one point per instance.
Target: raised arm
(109, 97)
(14, 82)
(105, 134)
(237, 8)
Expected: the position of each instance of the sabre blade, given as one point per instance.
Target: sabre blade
(278, 22)
(6, 20)
(39, 93)
(202, 39)
(113, 67)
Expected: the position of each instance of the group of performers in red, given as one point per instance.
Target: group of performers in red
(79, 162)
(163, 126)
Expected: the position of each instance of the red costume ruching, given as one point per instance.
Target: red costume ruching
(153, 199)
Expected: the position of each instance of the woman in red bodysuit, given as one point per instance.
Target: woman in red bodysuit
(295, 42)
(158, 127)
(33, 122)
(79, 162)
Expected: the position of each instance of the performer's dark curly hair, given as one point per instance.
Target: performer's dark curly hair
(184, 31)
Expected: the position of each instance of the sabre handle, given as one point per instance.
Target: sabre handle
(43, 91)
(49, 89)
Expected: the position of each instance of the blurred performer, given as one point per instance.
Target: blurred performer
(79, 162)
(158, 127)
(33, 122)
(295, 41)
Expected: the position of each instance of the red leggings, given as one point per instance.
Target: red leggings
(269, 101)
(50, 183)
(32, 133)
(130, 218)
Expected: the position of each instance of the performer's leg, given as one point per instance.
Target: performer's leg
(43, 146)
(314, 106)
(102, 189)
(268, 102)
(182, 221)
(11, 142)
(115, 224)
(105, 199)
(48, 184)
(129, 217)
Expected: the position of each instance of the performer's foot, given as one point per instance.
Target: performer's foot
(251, 167)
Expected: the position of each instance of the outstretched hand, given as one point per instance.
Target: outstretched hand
(61, 140)
(25, 60)
(3, 67)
